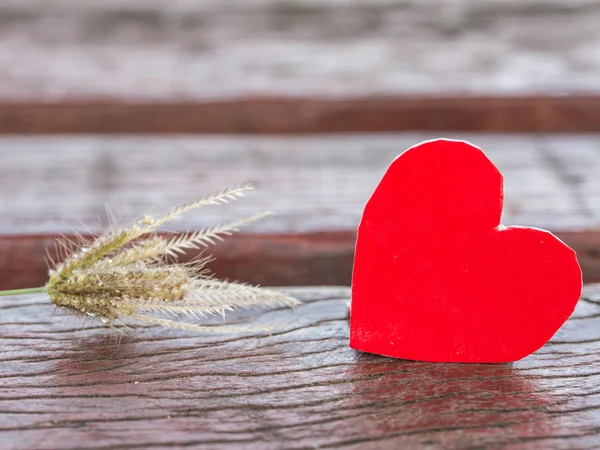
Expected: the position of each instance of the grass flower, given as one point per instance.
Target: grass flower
(132, 272)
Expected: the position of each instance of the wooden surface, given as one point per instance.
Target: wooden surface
(302, 115)
(313, 183)
(298, 66)
(317, 185)
(67, 384)
(141, 49)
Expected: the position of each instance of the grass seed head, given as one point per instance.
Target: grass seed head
(128, 272)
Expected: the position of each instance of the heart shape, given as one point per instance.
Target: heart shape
(437, 278)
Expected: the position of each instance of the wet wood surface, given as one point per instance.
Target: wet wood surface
(66, 383)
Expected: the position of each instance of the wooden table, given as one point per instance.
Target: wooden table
(66, 384)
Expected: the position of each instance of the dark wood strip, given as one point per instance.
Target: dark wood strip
(276, 260)
(288, 115)
(305, 259)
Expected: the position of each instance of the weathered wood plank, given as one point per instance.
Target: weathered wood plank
(316, 185)
(313, 183)
(294, 66)
(265, 259)
(67, 384)
(51, 49)
(303, 115)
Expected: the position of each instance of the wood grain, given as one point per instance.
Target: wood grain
(67, 384)
(313, 183)
(298, 66)
(201, 50)
(317, 185)
(265, 259)
(302, 115)
(310, 259)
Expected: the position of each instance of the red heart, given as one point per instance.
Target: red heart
(437, 278)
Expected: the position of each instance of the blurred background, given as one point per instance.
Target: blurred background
(143, 104)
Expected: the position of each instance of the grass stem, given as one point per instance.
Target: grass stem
(22, 291)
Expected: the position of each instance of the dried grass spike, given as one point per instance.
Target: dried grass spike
(128, 272)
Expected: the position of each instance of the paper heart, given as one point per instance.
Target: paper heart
(437, 278)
